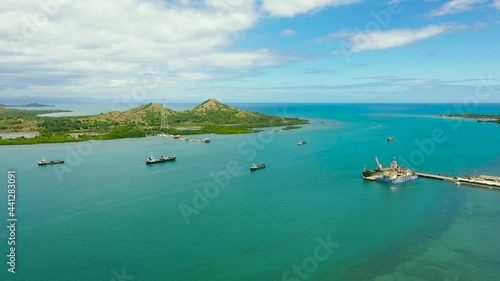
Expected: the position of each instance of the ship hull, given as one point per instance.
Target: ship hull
(261, 166)
(53, 162)
(375, 172)
(398, 180)
(160, 161)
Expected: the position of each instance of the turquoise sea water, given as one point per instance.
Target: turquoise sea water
(105, 215)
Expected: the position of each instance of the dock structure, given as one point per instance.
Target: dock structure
(179, 137)
(485, 181)
(436, 177)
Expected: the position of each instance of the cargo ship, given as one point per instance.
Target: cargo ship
(375, 172)
(302, 142)
(397, 176)
(152, 160)
(255, 167)
(44, 162)
(393, 174)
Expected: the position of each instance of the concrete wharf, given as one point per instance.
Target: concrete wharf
(485, 181)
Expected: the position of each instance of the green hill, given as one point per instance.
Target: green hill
(209, 117)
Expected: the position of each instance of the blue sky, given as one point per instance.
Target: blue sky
(252, 50)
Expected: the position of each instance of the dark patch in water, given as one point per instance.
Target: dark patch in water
(466, 254)
(412, 243)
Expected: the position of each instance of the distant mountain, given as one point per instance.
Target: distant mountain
(212, 105)
(27, 105)
(208, 114)
(50, 100)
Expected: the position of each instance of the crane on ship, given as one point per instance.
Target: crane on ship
(378, 163)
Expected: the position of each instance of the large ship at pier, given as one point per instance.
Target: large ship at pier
(393, 174)
(375, 172)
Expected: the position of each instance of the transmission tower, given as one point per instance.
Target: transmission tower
(164, 119)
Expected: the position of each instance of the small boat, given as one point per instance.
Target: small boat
(391, 138)
(44, 162)
(177, 137)
(205, 140)
(302, 142)
(152, 160)
(254, 167)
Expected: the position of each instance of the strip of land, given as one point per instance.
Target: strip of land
(28, 105)
(489, 118)
(208, 117)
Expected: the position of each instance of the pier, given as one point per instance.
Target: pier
(179, 137)
(436, 177)
(484, 181)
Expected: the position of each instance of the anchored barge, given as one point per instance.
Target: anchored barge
(152, 160)
(255, 167)
(44, 162)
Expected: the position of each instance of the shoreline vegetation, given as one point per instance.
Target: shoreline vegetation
(486, 118)
(210, 117)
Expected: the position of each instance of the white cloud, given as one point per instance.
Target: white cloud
(496, 4)
(390, 2)
(104, 43)
(195, 76)
(291, 8)
(455, 6)
(375, 40)
(117, 83)
(288, 32)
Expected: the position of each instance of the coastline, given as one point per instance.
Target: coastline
(210, 117)
(103, 137)
(481, 118)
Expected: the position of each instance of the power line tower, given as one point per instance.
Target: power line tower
(164, 121)
(164, 118)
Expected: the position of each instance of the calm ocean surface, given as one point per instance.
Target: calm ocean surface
(105, 215)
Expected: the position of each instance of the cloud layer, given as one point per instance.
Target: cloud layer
(376, 40)
(291, 8)
(455, 6)
(104, 48)
(97, 42)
